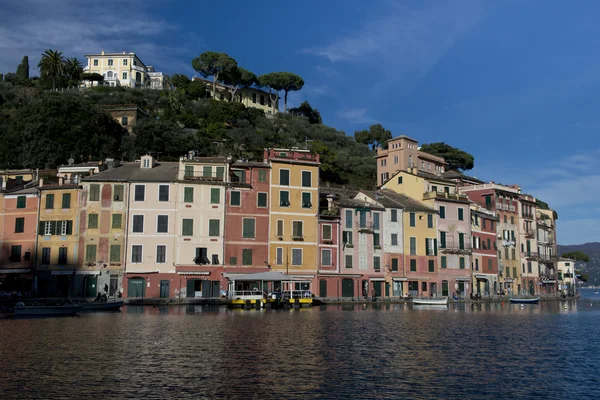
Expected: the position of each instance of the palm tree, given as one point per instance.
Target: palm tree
(73, 68)
(52, 65)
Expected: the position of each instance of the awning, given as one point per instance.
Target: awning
(508, 280)
(551, 282)
(194, 273)
(15, 271)
(418, 278)
(297, 276)
(403, 279)
(62, 273)
(140, 272)
(377, 279)
(262, 276)
(87, 272)
(339, 275)
(463, 279)
(483, 277)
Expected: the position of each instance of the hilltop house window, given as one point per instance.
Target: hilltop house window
(187, 227)
(125, 75)
(326, 257)
(66, 201)
(262, 100)
(161, 254)
(188, 195)
(115, 253)
(125, 121)
(138, 224)
(284, 177)
(394, 217)
(110, 62)
(306, 200)
(162, 224)
(261, 199)
(297, 229)
(284, 198)
(254, 98)
(248, 228)
(215, 195)
(140, 192)
(136, 253)
(235, 199)
(117, 221)
(163, 193)
(90, 253)
(214, 227)
(49, 201)
(306, 179)
(326, 232)
(95, 63)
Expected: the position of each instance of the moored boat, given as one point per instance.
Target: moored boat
(525, 300)
(21, 310)
(108, 306)
(431, 301)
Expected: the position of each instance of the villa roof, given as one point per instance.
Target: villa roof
(131, 172)
(452, 174)
(390, 199)
(353, 203)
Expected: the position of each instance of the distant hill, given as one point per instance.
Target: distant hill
(593, 267)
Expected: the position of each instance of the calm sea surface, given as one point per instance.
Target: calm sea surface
(500, 351)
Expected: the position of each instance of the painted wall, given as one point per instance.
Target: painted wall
(25, 239)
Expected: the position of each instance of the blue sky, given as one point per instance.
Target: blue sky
(514, 83)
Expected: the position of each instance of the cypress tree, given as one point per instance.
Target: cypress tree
(23, 69)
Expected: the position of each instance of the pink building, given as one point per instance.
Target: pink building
(329, 241)
(484, 258)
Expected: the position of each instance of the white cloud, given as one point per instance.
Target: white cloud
(355, 115)
(76, 27)
(577, 231)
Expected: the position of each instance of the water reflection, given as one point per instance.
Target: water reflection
(483, 350)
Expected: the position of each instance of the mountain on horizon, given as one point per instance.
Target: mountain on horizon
(592, 249)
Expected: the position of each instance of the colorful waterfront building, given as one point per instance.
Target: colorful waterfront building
(247, 218)
(503, 200)
(57, 243)
(566, 271)
(485, 251)
(329, 270)
(13, 179)
(200, 227)
(530, 273)
(293, 229)
(453, 239)
(547, 249)
(19, 234)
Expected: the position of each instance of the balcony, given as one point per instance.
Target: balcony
(445, 196)
(530, 255)
(527, 216)
(204, 177)
(456, 249)
(365, 227)
(138, 68)
(529, 233)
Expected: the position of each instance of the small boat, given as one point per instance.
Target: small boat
(21, 310)
(525, 301)
(108, 306)
(432, 301)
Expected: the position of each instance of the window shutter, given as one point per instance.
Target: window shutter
(41, 226)
(53, 228)
(426, 247)
(435, 249)
(69, 227)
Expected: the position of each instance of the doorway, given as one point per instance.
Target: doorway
(433, 289)
(347, 287)
(164, 289)
(90, 285)
(323, 288)
(136, 287)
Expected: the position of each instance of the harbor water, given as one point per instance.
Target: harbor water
(360, 351)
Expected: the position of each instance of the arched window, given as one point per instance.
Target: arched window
(109, 74)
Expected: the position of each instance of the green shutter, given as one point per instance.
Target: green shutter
(248, 228)
(187, 227)
(442, 212)
(188, 195)
(66, 200)
(90, 253)
(220, 172)
(215, 196)
(117, 220)
(431, 266)
(207, 171)
(462, 262)
(93, 221)
(394, 264)
(426, 248)
(118, 193)
(246, 256)
(189, 171)
(21, 202)
(69, 227)
(413, 264)
(262, 199)
(443, 260)
(262, 175)
(115, 253)
(213, 227)
(435, 247)
(443, 240)
(49, 201)
(236, 199)
(461, 241)
(460, 214)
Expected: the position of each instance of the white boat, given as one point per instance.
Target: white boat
(525, 300)
(22, 310)
(432, 301)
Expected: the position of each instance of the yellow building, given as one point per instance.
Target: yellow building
(124, 69)
(57, 243)
(11, 178)
(293, 225)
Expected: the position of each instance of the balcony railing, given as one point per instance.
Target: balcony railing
(445, 196)
(527, 215)
(530, 255)
(204, 177)
(365, 227)
(456, 249)
(529, 233)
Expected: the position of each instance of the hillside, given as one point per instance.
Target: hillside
(42, 129)
(593, 267)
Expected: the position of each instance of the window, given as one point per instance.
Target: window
(347, 238)
(349, 219)
(505, 219)
(117, 221)
(376, 221)
(236, 198)
(297, 229)
(110, 62)
(413, 219)
(124, 121)
(442, 212)
(66, 200)
(136, 253)
(284, 198)
(262, 100)
(138, 224)
(215, 196)
(207, 171)
(512, 220)
(362, 262)
(162, 224)
(461, 263)
(279, 230)
(284, 177)
(442, 240)
(413, 265)
(90, 253)
(306, 179)
(326, 257)
(117, 193)
(93, 221)
(254, 98)
(19, 225)
(296, 256)
(413, 246)
(376, 241)
(95, 63)
(62, 255)
(430, 247)
(348, 261)
(489, 247)
(215, 259)
(394, 265)
(45, 255)
(140, 193)
(394, 215)
(431, 266)
(188, 195)
(489, 264)
(94, 192)
(21, 201)
(246, 256)
(189, 171)
(261, 199)
(429, 220)
(377, 263)
(394, 239)
(232, 260)
(326, 232)
(124, 73)
(163, 192)
(306, 203)
(443, 262)
(161, 253)
(476, 264)
(48, 227)
(115, 253)
(221, 174)
(461, 241)
(187, 227)
(249, 228)
(279, 256)
(49, 201)
(513, 254)
(262, 176)
(461, 215)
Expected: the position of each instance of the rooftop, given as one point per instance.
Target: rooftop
(353, 203)
(131, 172)
(390, 199)
(452, 174)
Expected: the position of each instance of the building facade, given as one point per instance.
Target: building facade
(530, 271)
(485, 248)
(248, 96)
(547, 249)
(329, 247)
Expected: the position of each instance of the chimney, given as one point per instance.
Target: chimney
(102, 52)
